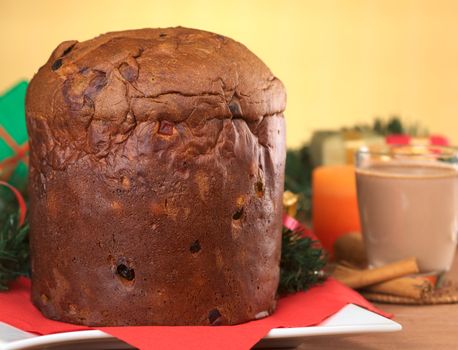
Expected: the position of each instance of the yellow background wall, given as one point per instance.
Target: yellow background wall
(342, 61)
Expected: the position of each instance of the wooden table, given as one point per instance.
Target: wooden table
(424, 327)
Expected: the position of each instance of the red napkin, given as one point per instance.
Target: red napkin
(297, 310)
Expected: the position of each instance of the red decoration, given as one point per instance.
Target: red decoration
(292, 224)
(398, 139)
(20, 200)
(402, 139)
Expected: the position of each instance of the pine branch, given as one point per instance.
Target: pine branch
(14, 250)
(301, 263)
(298, 179)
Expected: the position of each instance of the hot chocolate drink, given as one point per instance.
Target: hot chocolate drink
(409, 209)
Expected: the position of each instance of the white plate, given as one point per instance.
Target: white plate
(351, 319)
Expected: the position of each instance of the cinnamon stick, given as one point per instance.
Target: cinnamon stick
(415, 287)
(355, 278)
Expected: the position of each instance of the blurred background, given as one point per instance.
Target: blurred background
(343, 62)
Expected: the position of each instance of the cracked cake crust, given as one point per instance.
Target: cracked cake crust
(156, 176)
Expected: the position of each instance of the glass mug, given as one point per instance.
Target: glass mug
(408, 204)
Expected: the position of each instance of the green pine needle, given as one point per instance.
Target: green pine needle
(301, 263)
(14, 250)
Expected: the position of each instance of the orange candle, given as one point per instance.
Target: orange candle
(334, 203)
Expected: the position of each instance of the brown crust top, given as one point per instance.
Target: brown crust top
(176, 74)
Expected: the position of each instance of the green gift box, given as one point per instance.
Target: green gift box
(13, 136)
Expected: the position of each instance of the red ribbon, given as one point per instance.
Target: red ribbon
(20, 200)
(292, 224)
